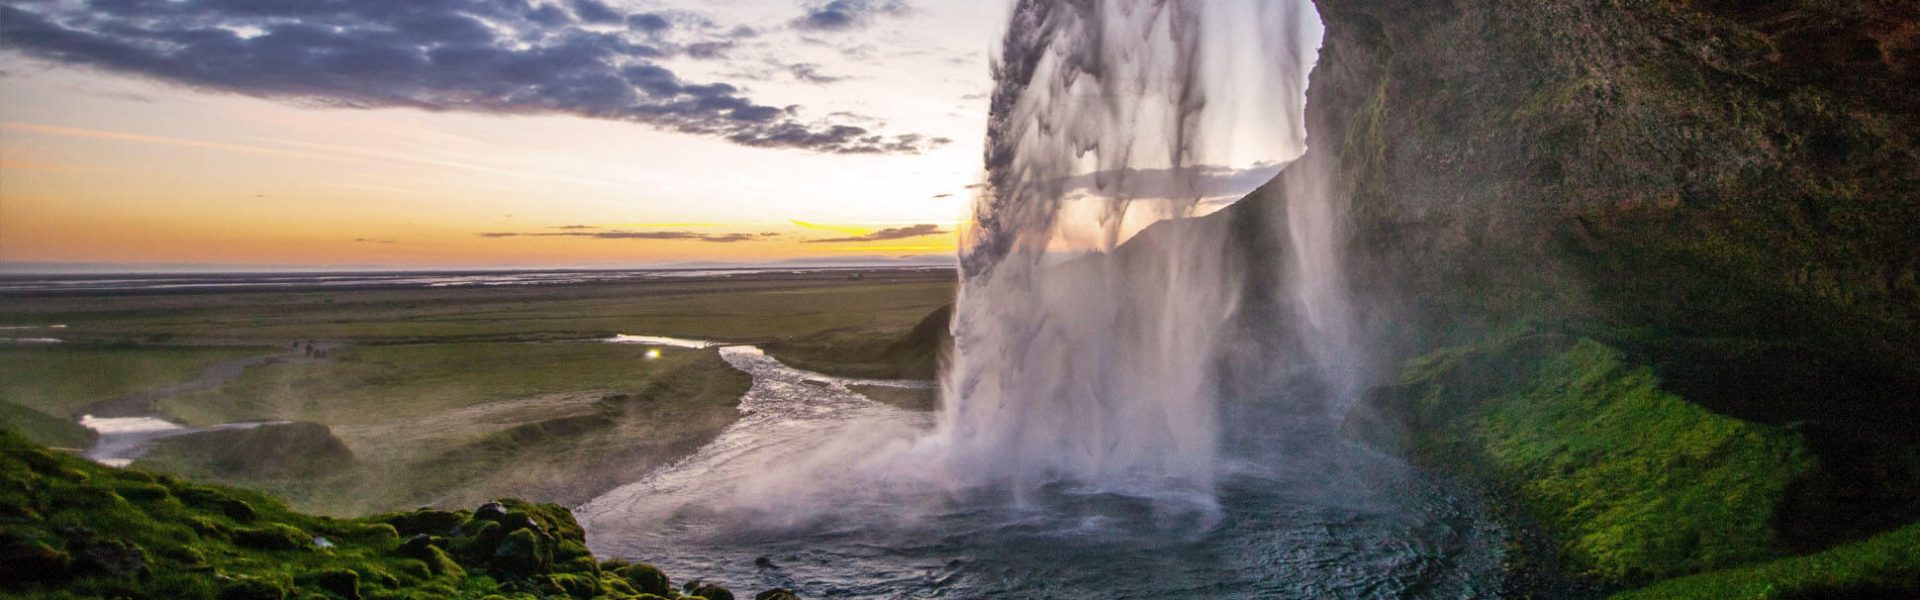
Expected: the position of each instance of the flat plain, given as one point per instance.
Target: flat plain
(446, 396)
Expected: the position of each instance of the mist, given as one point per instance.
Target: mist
(1101, 369)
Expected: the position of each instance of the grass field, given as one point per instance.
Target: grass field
(753, 309)
(59, 380)
(445, 396)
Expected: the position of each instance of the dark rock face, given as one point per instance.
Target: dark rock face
(1728, 192)
(1702, 177)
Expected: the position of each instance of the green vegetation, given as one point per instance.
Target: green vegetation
(1885, 566)
(371, 385)
(907, 398)
(420, 397)
(439, 395)
(279, 451)
(1631, 482)
(459, 423)
(73, 529)
(880, 352)
(58, 380)
(742, 309)
(43, 428)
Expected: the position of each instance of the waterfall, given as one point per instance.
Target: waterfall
(1093, 308)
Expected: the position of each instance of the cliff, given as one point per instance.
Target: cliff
(1702, 210)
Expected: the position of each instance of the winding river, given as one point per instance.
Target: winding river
(769, 504)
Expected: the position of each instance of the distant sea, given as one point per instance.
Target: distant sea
(160, 282)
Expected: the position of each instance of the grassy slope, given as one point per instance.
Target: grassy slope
(43, 428)
(42, 386)
(884, 350)
(1885, 566)
(73, 529)
(1635, 483)
(910, 399)
(382, 384)
(58, 380)
(457, 423)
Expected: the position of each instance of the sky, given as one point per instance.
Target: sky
(491, 133)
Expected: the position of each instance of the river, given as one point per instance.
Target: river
(1298, 513)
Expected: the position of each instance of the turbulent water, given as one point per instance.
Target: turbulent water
(1079, 358)
(1316, 517)
(1142, 404)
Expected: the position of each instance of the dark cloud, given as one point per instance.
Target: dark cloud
(810, 73)
(490, 56)
(594, 11)
(897, 233)
(840, 15)
(939, 196)
(718, 238)
(649, 22)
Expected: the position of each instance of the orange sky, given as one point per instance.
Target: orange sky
(108, 167)
(98, 167)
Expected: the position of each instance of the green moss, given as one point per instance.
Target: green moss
(81, 530)
(1635, 483)
(272, 536)
(646, 578)
(1885, 566)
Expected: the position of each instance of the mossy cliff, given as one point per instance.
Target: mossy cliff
(1648, 268)
(73, 529)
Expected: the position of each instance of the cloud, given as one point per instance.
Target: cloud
(374, 241)
(485, 56)
(810, 73)
(840, 15)
(717, 238)
(897, 233)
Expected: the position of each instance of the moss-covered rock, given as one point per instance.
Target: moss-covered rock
(521, 553)
(344, 583)
(272, 536)
(72, 535)
(645, 577)
(26, 558)
(710, 591)
(1633, 483)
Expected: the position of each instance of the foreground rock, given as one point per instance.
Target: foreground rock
(74, 529)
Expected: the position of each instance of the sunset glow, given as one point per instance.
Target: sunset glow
(99, 166)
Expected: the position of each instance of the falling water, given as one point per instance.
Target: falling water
(1146, 391)
(1085, 359)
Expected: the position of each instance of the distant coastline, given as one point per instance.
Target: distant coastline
(29, 283)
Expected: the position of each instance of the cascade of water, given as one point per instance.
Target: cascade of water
(1080, 358)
